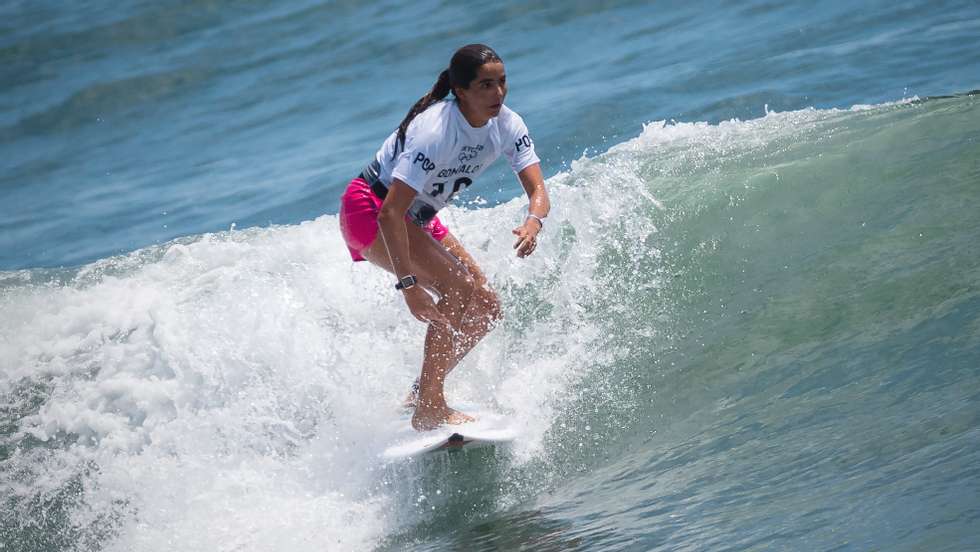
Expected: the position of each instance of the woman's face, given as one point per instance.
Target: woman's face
(486, 93)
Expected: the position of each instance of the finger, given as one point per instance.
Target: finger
(439, 321)
(436, 317)
(529, 246)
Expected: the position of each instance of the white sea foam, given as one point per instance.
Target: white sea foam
(224, 393)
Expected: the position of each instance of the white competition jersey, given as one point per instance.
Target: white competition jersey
(443, 154)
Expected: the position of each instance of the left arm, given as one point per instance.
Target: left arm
(527, 233)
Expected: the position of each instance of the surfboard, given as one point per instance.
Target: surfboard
(489, 429)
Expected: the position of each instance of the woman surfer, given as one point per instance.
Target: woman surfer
(388, 213)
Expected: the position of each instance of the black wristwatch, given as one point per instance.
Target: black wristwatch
(406, 282)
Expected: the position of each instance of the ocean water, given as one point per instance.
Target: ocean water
(753, 322)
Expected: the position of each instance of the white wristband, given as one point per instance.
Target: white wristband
(537, 218)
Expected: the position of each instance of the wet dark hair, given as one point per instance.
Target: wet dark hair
(461, 72)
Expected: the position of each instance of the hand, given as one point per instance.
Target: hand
(527, 237)
(422, 307)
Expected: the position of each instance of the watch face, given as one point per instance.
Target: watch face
(407, 282)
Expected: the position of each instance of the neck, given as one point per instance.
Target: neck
(475, 120)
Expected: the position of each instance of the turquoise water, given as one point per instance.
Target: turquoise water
(754, 323)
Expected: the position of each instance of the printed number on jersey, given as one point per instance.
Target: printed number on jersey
(439, 188)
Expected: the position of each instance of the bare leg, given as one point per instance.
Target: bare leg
(440, 356)
(468, 307)
(483, 308)
(481, 315)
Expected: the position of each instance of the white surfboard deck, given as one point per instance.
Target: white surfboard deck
(489, 429)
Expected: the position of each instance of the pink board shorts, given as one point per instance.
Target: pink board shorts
(359, 209)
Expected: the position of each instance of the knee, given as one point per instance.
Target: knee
(488, 303)
(466, 287)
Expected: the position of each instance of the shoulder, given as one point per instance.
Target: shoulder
(510, 121)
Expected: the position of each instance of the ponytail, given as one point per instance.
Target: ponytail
(439, 91)
(462, 70)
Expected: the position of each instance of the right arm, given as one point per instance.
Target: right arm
(392, 229)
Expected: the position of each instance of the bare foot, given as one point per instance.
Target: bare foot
(456, 417)
(412, 399)
(427, 418)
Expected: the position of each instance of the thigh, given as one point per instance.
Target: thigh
(486, 298)
(437, 269)
(454, 247)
